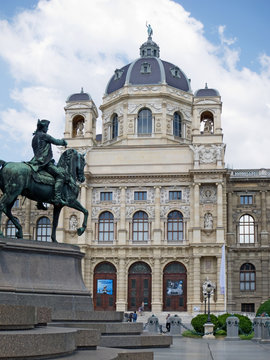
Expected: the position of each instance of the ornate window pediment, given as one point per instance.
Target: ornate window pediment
(118, 73)
(145, 68)
(175, 71)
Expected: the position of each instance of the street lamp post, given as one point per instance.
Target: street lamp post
(208, 290)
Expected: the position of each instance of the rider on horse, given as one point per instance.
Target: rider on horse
(43, 158)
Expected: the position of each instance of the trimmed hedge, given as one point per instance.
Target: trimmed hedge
(264, 308)
(245, 323)
(198, 321)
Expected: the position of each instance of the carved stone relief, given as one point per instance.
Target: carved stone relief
(207, 154)
(208, 194)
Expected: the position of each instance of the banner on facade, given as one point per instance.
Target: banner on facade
(105, 286)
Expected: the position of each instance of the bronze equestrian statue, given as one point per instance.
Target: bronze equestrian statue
(43, 181)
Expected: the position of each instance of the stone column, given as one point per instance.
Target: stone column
(264, 232)
(157, 283)
(82, 238)
(87, 271)
(60, 230)
(157, 228)
(121, 296)
(220, 236)
(196, 213)
(231, 232)
(122, 232)
(27, 231)
(196, 281)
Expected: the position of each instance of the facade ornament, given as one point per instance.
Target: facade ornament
(207, 154)
(208, 194)
(208, 221)
(73, 223)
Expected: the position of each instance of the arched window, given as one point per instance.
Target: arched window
(114, 126)
(106, 226)
(247, 277)
(207, 122)
(175, 226)
(78, 124)
(44, 229)
(246, 230)
(10, 229)
(140, 226)
(177, 125)
(145, 122)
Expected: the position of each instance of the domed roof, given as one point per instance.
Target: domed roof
(206, 92)
(149, 69)
(82, 96)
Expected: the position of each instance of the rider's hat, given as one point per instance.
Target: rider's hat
(42, 123)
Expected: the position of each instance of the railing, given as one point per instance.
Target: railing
(250, 173)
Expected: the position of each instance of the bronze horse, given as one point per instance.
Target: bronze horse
(19, 179)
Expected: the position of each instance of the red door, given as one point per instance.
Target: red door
(139, 286)
(175, 288)
(104, 294)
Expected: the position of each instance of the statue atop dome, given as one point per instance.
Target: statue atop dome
(149, 31)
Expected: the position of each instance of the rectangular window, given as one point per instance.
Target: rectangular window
(106, 196)
(248, 307)
(246, 199)
(140, 195)
(175, 195)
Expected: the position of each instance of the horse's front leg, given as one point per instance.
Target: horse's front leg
(19, 232)
(77, 206)
(56, 213)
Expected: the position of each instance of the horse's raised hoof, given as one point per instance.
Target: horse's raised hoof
(80, 231)
(19, 235)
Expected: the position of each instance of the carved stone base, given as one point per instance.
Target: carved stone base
(44, 275)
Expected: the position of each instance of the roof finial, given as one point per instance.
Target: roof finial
(81, 90)
(149, 31)
(206, 86)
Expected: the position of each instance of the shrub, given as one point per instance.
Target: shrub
(198, 321)
(264, 308)
(245, 323)
(222, 321)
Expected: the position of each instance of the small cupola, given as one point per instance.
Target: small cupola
(149, 48)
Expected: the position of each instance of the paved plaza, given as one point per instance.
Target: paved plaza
(190, 349)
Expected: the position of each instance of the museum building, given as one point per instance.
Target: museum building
(162, 206)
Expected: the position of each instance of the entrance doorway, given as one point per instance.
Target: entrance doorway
(175, 287)
(139, 286)
(104, 296)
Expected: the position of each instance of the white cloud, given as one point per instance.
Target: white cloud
(62, 45)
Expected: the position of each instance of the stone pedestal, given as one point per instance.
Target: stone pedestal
(43, 274)
(208, 331)
(175, 325)
(265, 330)
(257, 324)
(153, 324)
(232, 328)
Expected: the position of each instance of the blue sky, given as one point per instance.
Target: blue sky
(245, 20)
(50, 48)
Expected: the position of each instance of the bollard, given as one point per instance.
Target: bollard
(153, 324)
(176, 325)
(265, 330)
(232, 328)
(257, 325)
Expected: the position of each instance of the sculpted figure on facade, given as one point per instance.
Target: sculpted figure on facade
(208, 221)
(73, 223)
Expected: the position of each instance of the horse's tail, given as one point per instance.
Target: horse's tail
(2, 164)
